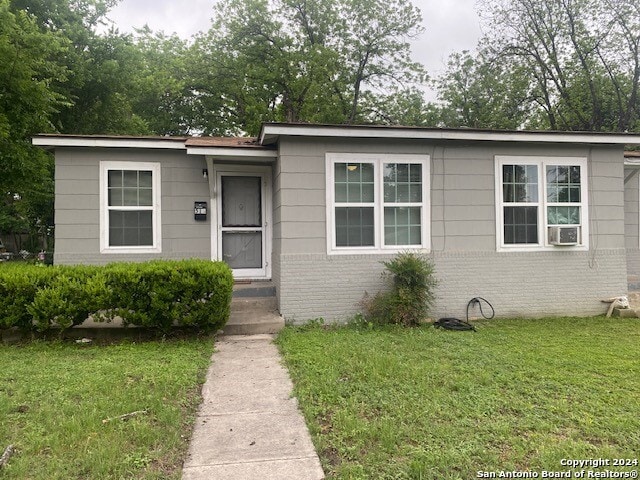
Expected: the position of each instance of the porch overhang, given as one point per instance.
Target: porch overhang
(231, 149)
(235, 154)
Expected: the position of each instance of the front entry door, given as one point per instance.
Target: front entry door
(242, 224)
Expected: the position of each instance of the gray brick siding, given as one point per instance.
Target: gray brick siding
(533, 284)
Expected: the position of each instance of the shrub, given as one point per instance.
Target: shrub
(70, 296)
(18, 288)
(411, 294)
(161, 294)
(158, 294)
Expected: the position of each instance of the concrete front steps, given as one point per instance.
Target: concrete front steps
(254, 310)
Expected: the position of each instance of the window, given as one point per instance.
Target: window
(355, 204)
(535, 196)
(377, 203)
(130, 207)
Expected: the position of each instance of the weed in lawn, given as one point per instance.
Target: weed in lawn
(432, 404)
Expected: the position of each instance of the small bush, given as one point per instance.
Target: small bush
(411, 294)
(70, 296)
(158, 294)
(18, 288)
(161, 294)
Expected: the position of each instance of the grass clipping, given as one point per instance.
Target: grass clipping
(126, 416)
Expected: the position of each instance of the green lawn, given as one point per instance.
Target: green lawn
(432, 404)
(55, 396)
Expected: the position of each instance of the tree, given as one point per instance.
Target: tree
(581, 57)
(75, 21)
(477, 91)
(162, 94)
(375, 46)
(103, 102)
(401, 106)
(58, 74)
(300, 60)
(133, 85)
(28, 103)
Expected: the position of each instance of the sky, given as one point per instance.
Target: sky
(450, 25)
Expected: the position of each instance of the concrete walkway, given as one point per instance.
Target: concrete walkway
(248, 426)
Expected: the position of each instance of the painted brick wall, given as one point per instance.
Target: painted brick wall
(517, 284)
(317, 285)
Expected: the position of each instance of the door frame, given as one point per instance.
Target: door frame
(264, 172)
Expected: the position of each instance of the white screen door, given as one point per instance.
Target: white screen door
(242, 223)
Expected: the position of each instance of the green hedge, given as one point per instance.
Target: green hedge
(158, 294)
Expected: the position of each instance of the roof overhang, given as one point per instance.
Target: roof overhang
(218, 148)
(271, 131)
(98, 141)
(235, 153)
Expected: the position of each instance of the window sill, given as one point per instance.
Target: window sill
(543, 248)
(129, 250)
(378, 251)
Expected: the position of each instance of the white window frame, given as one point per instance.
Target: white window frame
(543, 238)
(154, 167)
(378, 161)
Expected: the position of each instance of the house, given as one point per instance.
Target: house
(538, 223)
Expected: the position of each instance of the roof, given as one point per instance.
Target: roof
(264, 145)
(232, 148)
(227, 142)
(270, 133)
(55, 139)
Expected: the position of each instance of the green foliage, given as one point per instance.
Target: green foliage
(58, 74)
(28, 67)
(548, 64)
(479, 91)
(159, 294)
(161, 89)
(28, 105)
(73, 294)
(401, 106)
(411, 294)
(18, 289)
(292, 60)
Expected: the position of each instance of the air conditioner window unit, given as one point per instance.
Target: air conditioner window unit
(565, 235)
